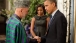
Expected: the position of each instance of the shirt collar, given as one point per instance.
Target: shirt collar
(17, 17)
(54, 12)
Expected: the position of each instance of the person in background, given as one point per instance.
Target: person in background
(30, 39)
(15, 32)
(27, 29)
(39, 23)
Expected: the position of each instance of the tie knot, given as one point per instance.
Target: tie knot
(50, 16)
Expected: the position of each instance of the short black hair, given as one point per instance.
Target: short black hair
(55, 1)
(43, 7)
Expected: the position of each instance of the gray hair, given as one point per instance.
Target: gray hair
(21, 3)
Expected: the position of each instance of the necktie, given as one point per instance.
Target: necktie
(49, 21)
(50, 16)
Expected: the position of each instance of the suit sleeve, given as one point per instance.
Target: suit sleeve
(61, 29)
(43, 39)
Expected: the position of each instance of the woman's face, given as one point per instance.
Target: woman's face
(40, 11)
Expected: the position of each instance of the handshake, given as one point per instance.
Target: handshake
(38, 38)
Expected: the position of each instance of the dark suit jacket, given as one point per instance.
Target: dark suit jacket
(57, 29)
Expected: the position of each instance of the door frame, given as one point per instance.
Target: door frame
(74, 21)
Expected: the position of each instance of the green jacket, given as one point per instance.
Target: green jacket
(15, 32)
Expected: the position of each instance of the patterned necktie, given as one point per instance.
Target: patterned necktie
(50, 18)
(50, 21)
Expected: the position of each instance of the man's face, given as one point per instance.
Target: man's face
(24, 12)
(48, 7)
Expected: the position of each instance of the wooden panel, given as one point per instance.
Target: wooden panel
(2, 24)
(2, 18)
(2, 4)
(75, 21)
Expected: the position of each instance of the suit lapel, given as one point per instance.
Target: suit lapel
(52, 20)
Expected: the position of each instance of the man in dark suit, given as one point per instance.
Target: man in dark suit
(57, 27)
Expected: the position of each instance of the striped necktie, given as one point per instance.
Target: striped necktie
(50, 20)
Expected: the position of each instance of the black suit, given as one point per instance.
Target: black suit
(57, 29)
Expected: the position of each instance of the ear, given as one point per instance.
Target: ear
(53, 4)
(21, 9)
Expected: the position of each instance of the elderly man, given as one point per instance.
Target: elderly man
(14, 30)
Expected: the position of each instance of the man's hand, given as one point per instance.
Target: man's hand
(38, 38)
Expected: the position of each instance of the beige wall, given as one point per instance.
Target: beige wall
(75, 20)
(6, 4)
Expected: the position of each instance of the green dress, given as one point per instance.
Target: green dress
(15, 31)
